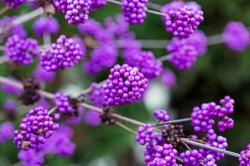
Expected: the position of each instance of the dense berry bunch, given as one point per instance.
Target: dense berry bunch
(203, 117)
(21, 50)
(63, 103)
(14, 3)
(125, 85)
(168, 78)
(181, 54)
(65, 53)
(134, 12)
(6, 131)
(77, 11)
(15, 30)
(182, 19)
(147, 64)
(236, 36)
(103, 56)
(161, 115)
(245, 156)
(35, 128)
(145, 134)
(60, 5)
(218, 142)
(191, 157)
(157, 155)
(45, 25)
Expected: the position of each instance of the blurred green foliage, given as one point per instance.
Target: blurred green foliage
(219, 72)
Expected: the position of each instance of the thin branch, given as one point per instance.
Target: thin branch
(125, 128)
(89, 89)
(154, 6)
(4, 10)
(173, 121)
(46, 41)
(23, 18)
(52, 110)
(194, 143)
(164, 58)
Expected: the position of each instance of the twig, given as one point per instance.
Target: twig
(154, 6)
(4, 10)
(194, 143)
(46, 41)
(173, 121)
(52, 110)
(164, 58)
(125, 128)
(22, 19)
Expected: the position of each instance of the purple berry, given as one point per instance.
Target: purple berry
(134, 12)
(181, 19)
(236, 36)
(45, 25)
(21, 50)
(63, 103)
(124, 85)
(65, 53)
(35, 128)
(245, 157)
(162, 115)
(181, 54)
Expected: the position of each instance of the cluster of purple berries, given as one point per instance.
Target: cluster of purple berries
(134, 11)
(181, 18)
(144, 134)
(35, 128)
(181, 54)
(21, 50)
(65, 53)
(45, 25)
(63, 103)
(159, 155)
(161, 115)
(102, 57)
(236, 36)
(76, 11)
(245, 156)
(203, 117)
(124, 85)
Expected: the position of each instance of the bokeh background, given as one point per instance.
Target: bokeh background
(218, 73)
